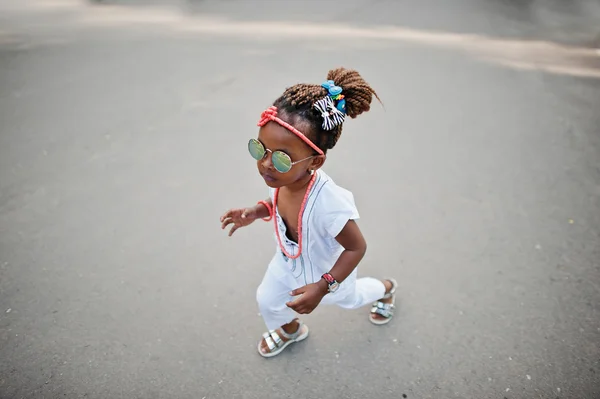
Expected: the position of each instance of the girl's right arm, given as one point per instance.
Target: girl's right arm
(244, 216)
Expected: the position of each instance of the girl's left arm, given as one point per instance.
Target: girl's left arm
(355, 246)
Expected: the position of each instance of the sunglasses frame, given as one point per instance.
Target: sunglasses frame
(251, 141)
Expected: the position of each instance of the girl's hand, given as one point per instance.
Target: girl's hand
(239, 218)
(312, 294)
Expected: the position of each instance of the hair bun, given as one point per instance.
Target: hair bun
(357, 92)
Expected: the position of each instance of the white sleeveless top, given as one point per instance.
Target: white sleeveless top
(328, 208)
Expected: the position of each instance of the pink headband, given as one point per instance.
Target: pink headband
(270, 114)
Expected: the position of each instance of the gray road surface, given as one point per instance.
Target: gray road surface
(123, 134)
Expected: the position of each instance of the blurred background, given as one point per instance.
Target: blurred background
(123, 138)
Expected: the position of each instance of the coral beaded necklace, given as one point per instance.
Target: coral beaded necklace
(300, 214)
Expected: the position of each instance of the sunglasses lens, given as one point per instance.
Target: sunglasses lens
(256, 149)
(281, 161)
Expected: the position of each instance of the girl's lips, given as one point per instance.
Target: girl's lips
(268, 177)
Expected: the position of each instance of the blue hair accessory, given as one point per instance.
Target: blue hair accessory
(341, 105)
(335, 92)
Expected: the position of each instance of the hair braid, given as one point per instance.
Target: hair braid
(302, 94)
(296, 104)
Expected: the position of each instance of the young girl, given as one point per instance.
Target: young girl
(319, 243)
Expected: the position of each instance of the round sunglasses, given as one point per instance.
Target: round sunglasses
(281, 161)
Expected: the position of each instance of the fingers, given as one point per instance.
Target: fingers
(234, 216)
(227, 215)
(226, 222)
(233, 229)
(298, 291)
(303, 310)
(295, 304)
(300, 308)
(244, 213)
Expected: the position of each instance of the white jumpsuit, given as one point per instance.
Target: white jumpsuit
(328, 208)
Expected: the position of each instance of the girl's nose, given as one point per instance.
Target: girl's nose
(266, 161)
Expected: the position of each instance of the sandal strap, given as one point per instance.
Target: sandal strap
(384, 309)
(276, 338)
(294, 335)
(393, 290)
(270, 343)
(273, 340)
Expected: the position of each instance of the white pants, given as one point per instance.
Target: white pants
(274, 292)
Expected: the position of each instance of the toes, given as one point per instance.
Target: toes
(264, 349)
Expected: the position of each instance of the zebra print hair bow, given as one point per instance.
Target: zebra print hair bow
(332, 116)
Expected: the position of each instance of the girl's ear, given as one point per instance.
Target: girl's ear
(317, 162)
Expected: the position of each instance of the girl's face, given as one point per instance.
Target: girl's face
(275, 137)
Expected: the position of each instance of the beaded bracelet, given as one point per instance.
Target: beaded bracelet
(266, 204)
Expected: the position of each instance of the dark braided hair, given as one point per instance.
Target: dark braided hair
(296, 105)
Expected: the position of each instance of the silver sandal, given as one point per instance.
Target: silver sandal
(276, 345)
(385, 309)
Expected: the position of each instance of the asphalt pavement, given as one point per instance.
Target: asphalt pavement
(123, 138)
